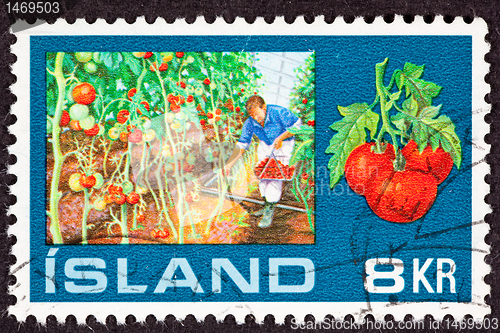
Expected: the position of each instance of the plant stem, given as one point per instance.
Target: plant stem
(86, 210)
(126, 172)
(384, 110)
(55, 194)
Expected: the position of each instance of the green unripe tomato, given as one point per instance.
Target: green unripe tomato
(198, 91)
(69, 94)
(99, 180)
(79, 112)
(113, 133)
(127, 187)
(90, 67)
(87, 122)
(83, 56)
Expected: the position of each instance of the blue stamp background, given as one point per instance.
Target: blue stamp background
(347, 232)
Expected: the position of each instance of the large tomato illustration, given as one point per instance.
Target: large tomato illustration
(437, 163)
(401, 196)
(364, 163)
(400, 185)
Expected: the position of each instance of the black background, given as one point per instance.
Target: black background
(192, 10)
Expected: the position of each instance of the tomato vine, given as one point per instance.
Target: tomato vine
(414, 118)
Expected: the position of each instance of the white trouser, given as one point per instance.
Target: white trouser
(271, 189)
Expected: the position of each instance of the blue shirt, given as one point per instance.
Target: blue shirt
(278, 120)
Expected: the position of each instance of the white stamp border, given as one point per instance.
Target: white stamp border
(477, 307)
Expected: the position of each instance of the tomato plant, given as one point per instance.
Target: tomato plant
(403, 185)
(302, 103)
(129, 133)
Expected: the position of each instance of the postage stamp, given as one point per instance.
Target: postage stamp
(250, 169)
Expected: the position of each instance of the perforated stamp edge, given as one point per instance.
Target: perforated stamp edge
(21, 290)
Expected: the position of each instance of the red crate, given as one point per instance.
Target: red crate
(272, 169)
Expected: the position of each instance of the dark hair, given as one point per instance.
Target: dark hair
(254, 101)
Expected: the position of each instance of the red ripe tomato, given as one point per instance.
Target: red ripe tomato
(122, 116)
(146, 105)
(135, 136)
(84, 93)
(190, 99)
(188, 167)
(218, 112)
(87, 181)
(437, 163)
(65, 118)
(210, 115)
(112, 189)
(171, 98)
(164, 233)
(202, 122)
(163, 67)
(206, 81)
(133, 198)
(148, 55)
(183, 85)
(124, 137)
(140, 218)
(179, 54)
(108, 198)
(75, 125)
(189, 197)
(92, 131)
(175, 108)
(153, 66)
(304, 101)
(363, 164)
(401, 196)
(120, 198)
(237, 109)
(131, 93)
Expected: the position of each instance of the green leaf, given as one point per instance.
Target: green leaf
(427, 129)
(400, 80)
(107, 58)
(133, 63)
(422, 91)
(413, 71)
(410, 105)
(308, 130)
(430, 111)
(351, 133)
(401, 122)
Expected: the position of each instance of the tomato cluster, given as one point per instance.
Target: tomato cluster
(160, 233)
(397, 195)
(78, 181)
(121, 194)
(274, 170)
(78, 118)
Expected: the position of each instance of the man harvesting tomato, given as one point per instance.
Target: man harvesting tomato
(270, 123)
